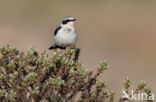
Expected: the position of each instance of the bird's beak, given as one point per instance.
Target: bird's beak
(74, 19)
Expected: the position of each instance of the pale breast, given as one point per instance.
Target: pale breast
(65, 37)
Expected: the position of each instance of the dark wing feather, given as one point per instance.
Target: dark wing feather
(55, 47)
(57, 29)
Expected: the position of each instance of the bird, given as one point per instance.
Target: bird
(65, 34)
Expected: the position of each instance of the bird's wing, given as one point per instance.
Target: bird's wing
(57, 29)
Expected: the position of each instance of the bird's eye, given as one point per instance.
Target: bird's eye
(65, 21)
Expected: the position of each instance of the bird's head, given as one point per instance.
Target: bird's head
(68, 22)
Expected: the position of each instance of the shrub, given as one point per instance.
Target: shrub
(34, 77)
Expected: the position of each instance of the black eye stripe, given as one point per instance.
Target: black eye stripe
(66, 21)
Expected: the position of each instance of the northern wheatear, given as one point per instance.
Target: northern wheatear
(65, 34)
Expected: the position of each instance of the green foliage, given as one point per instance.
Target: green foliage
(34, 77)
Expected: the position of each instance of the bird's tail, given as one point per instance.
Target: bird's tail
(55, 47)
(52, 47)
